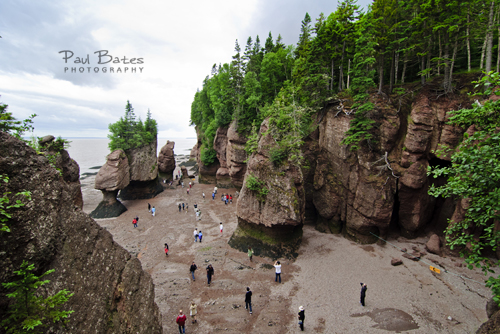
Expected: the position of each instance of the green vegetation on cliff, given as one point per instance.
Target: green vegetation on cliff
(474, 175)
(342, 57)
(128, 132)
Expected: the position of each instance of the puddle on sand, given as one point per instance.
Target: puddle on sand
(368, 248)
(390, 319)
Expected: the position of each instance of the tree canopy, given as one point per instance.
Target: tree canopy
(128, 132)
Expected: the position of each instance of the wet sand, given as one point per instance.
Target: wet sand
(325, 278)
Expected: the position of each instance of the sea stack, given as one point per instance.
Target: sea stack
(111, 178)
(144, 182)
(166, 161)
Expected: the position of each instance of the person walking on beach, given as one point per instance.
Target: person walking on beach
(137, 219)
(187, 191)
(187, 206)
(277, 265)
(250, 253)
(153, 210)
(363, 294)
(134, 221)
(166, 249)
(180, 207)
(195, 233)
(192, 312)
(192, 269)
(200, 235)
(203, 194)
(210, 273)
(213, 196)
(248, 300)
(149, 207)
(181, 321)
(302, 317)
(221, 228)
(215, 190)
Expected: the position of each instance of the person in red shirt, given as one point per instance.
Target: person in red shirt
(181, 321)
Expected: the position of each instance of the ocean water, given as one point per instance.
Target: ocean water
(90, 153)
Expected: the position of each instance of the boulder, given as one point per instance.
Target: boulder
(396, 262)
(112, 294)
(492, 326)
(434, 245)
(166, 161)
(491, 308)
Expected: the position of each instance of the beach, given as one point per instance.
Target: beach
(324, 279)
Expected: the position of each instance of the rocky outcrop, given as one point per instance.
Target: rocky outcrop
(112, 294)
(492, 326)
(434, 245)
(111, 178)
(361, 193)
(166, 161)
(144, 182)
(68, 167)
(220, 146)
(236, 155)
(271, 205)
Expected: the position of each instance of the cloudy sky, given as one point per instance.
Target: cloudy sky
(178, 42)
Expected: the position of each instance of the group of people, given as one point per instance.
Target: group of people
(151, 210)
(227, 198)
(181, 318)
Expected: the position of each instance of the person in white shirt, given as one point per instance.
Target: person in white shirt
(195, 233)
(220, 227)
(277, 265)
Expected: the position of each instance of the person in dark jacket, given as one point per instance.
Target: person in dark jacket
(210, 273)
(166, 249)
(302, 317)
(192, 269)
(248, 300)
(363, 294)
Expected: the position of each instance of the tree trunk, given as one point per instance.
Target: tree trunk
(446, 56)
(405, 62)
(482, 52)
(341, 69)
(489, 38)
(455, 47)
(391, 75)
(429, 57)
(422, 67)
(333, 73)
(440, 53)
(349, 71)
(396, 66)
(468, 39)
(380, 73)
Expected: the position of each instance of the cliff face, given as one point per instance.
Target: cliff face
(363, 193)
(112, 293)
(144, 182)
(271, 223)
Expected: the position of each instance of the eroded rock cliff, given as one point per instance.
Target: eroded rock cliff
(112, 292)
(166, 161)
(271, 212)
(144, 182)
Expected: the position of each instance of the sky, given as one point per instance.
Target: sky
(174, 43)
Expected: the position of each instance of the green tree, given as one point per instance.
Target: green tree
(129, 133)
(474, 175)
(30, 312)
(11, 125)
(6, 206)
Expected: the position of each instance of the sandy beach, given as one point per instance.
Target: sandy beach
(325, 278)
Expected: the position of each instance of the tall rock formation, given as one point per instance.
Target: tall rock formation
(166, 161)
(144, 182)
(236, 155)
(112, 294)
(270, 222)
(111, 178)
